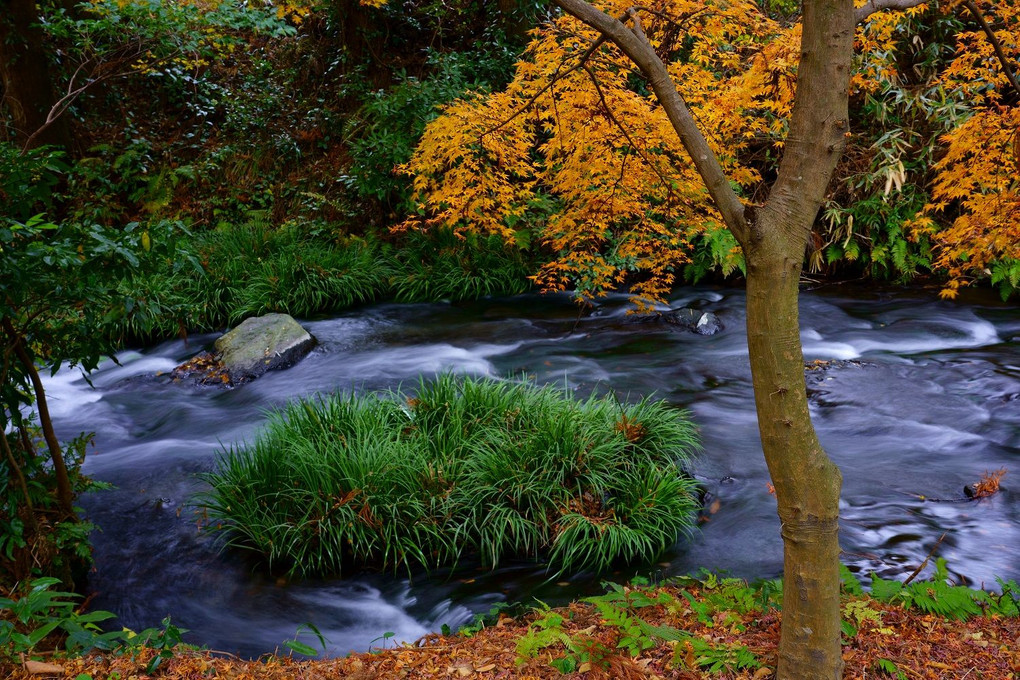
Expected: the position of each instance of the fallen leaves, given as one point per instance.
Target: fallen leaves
(920, 646)
(204, 369)
(988, 485)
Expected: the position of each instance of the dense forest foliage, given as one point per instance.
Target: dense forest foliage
(167, 167)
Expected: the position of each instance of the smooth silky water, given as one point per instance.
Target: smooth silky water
(921, 398)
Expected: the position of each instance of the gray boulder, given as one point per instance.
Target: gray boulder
(262, 343)
(696, 321)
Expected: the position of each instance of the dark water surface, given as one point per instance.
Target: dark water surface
(922, 398)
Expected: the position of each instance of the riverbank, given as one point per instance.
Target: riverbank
(888, 641)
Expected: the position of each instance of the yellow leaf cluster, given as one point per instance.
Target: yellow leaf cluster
(875, 44)
(979, 177)
(978, 181)
(293, 11)
(578, 151)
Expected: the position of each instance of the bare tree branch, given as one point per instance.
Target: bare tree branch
(626, 135)
(996, 45)
(862, 13)
(99, 73)
(636, 46)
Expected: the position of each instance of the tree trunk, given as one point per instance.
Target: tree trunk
(807, 483)
(773, 238)
(363, 33)
(25, 76)
(511, 18)
(65, 494)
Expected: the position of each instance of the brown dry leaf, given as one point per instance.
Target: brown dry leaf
(40, 668)
(463, 669)
(989, 484)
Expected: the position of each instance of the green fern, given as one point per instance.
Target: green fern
(937, 596)
(851, 586)
(1006, 277)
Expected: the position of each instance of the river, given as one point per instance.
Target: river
(920, 398)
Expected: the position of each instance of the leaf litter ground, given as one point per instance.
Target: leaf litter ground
(891, 642)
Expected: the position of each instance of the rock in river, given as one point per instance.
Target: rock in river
(262, 343)
(696, 321)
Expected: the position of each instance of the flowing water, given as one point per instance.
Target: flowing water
(919, 398)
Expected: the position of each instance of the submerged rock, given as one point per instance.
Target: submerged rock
(262, 343)
(685, 318)
(696, 321)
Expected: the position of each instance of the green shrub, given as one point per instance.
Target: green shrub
(28, 180)
(224, 276)
(466, 468)
(38, 617)
(442, 266)
(255, 269)
(390, 122)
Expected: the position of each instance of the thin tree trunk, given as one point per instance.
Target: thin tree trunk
(65, 495)
(16, 472)
(773, 238)
(807, 483)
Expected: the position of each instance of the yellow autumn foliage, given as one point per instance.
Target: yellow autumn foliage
(978, 179)
(577, 152)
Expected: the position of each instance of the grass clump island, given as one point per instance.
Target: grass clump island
(465, 469)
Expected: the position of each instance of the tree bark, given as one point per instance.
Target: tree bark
(773, 238)
(807, 483)
(25, 76)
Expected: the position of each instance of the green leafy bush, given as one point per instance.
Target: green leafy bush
(41, 615)
(464, 468)
(390, 122)
(620, 608)
(27, 620)
(28, 180)
(442, 266)
(60, 301)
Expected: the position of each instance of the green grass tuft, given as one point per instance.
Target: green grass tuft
(466, 468)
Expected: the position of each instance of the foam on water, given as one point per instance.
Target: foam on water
(922, 338)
